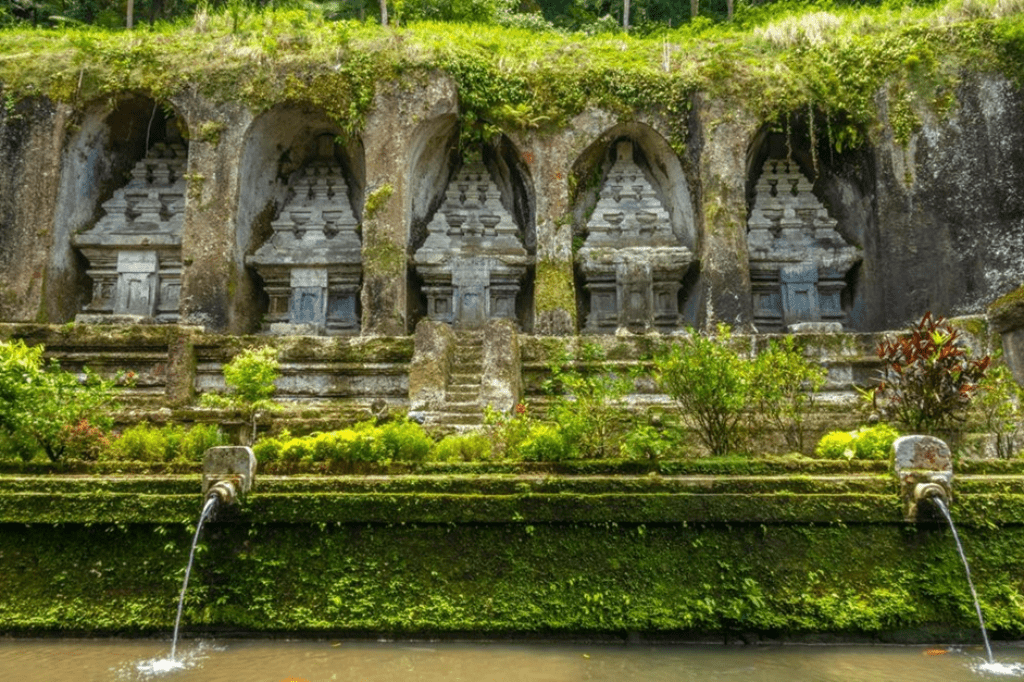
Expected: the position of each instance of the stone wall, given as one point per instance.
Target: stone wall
(938, 220)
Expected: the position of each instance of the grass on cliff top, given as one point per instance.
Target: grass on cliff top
(776, 59)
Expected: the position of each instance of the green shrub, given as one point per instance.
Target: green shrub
(404, 441)
(18, 446)
(463, 447)
(649, 442)
(546, 443)
(783, 385)
(998, 404)
(835, 445)
(869, 442)
(712, 384)
(267, 450)
(928, 379)
(874, 442)
(250, 377)
(147, 443)
(587, 404)
(41, 402)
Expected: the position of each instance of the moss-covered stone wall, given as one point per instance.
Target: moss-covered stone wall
(666, 556)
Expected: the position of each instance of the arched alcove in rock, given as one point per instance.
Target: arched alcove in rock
(811, 229)
(472, 235)
(284, 148)
(635, 238)
(116, 247)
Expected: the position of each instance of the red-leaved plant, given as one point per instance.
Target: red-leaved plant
(929, 378)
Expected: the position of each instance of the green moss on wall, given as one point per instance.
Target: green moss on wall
(560, 578)
(554, 287)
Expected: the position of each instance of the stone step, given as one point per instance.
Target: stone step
(463, 394)
(463, 379)
(464, 408)
(454, 419)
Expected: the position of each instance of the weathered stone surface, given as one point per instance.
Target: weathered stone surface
(431, 365)
(798, 261)
(311, 266)
(34, 282)
(950, 208)
(501, 379)
(236, 464)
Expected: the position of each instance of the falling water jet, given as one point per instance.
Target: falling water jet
(937, 500)
(212, 500)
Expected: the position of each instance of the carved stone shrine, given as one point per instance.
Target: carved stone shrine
(134, 250)
(631, 261)
(473, 261)
(798, 261)
(312, 264)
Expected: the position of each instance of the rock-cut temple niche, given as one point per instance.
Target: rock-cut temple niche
(798, 261)
(473, 260)
(631, 261)
(134, 250)
(312, 263)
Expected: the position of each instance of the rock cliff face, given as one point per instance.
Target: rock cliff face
(938, 220)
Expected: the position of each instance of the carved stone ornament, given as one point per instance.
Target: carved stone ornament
(798, 261)
(134, 250)
(632, 263)
(312, 264)
(473, 260)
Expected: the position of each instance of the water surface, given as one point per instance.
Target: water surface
(68, 660)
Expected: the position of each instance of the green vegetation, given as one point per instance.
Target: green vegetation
(928, 378)
(870, 442)
(170, 443)
(366, 442)
(824, 63)
(43, 407)
(250, 377)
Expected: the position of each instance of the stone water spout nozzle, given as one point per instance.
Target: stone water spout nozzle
(931, 491)
(225, 490)
(228, 473)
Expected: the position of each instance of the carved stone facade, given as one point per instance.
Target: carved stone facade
(311, 266)
(631, 261)
(798, 261)
(134, 250)
(473, 260)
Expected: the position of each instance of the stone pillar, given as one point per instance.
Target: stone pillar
(215, 289)
(725, 273)
(398, 111)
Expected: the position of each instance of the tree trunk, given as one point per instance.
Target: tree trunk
(383, 12)
(728, 10)
(694, 8)
(131, 12)
(625, 15)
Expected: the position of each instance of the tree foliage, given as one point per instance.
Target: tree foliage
(43, 405)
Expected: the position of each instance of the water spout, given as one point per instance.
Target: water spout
(212, 500)
(939, 501)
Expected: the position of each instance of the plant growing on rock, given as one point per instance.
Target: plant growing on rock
(928, 379)
(712, 384)
(783, 386)
(43, 404)
(998, 409)
(587, 401)
(250, 377)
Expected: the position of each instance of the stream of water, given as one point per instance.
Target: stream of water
(211, 502)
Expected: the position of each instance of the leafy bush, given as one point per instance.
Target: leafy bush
(83, 441)
(874, 442)
(998, 409)
(650, 442)
(871, 442)
(929, 379)
(587, 404)
(507, 431)
(712, 384)
(546, 443)
(783, 386)
(835, 445)
(147, 443)
(39, 401)
(250, 377)
(463, 447)
(404, 441)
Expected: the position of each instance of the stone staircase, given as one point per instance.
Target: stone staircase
(463, 409)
